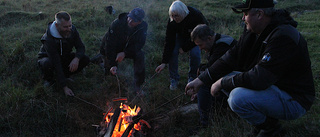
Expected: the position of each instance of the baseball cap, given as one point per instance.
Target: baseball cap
(248, 4)
(136, 14)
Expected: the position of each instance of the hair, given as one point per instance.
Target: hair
(201, 31)
(62, 15)
(267, 11)
(179, 8)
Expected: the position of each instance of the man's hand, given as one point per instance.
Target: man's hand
(68, 91)
(160, 68)
(113, 70)
(120, 56)
(193, 87)
(73, 66)
(216, 87)
(181, 50)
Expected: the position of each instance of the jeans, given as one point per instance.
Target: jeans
(194, 59)
(254, 106)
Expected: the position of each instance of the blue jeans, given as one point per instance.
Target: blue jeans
(194, 59)
(254, 106)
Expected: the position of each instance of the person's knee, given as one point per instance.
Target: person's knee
(237, 99)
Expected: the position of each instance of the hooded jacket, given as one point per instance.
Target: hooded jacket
(278, 56)
(57, 48)
(121, 38)
(184, 29)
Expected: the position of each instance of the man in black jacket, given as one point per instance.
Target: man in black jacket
(275, 79)
(216, 45)
(125, 39)
(56, 51)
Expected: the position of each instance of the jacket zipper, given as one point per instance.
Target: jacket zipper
(61, 47)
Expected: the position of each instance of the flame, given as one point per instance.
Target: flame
(125, 118)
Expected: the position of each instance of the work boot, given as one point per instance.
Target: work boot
(270, 128)
(275, 131)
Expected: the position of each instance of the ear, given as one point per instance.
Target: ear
(260, 14)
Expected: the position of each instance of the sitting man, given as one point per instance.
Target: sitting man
(275, 79)
(56, 52)
(216, 45)
(125, 39)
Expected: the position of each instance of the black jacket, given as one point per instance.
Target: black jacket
(184, 29)
(279, 56)
(220, 46)
(57, 48)
(121, 38)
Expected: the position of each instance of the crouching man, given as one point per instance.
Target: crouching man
(56, 52)
(125, 39)
(275, 81)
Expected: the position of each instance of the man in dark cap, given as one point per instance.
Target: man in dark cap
(275, 81)
(125, 39)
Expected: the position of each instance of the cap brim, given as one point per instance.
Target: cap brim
(240, 8)
(134, 19)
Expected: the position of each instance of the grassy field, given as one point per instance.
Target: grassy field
(29, 109)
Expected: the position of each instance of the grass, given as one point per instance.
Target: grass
(29, 109)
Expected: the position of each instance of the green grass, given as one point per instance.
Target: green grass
(29, 109)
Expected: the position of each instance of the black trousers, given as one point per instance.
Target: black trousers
(138, 67)
(47, 67)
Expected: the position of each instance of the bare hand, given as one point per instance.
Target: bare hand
(181, 50)
(160, 68)
(193, 87)
(120, 56)
(68, 91)
(216, 87)
(113, 70)
(73, 66)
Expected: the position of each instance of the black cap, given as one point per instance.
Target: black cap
(248, 4)
(136, 14)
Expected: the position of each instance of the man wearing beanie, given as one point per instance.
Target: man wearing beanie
(275, 81)
(125, 39)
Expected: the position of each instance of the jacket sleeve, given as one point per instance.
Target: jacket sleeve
(112, 40)
(169, 42)
(136, 41)
(49, 45)
(80, 48)
(278, 56)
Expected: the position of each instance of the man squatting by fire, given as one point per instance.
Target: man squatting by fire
(125, 39)
(56, 52)
(215, 45)
(274, 78)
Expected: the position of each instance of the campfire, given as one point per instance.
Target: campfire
(124, 121)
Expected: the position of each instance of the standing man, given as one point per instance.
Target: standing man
(275, 79)
(216, 45)
(56, 52)
(181, 22)
(125, 39)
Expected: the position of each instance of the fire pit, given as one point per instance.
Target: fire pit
(124, 121)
